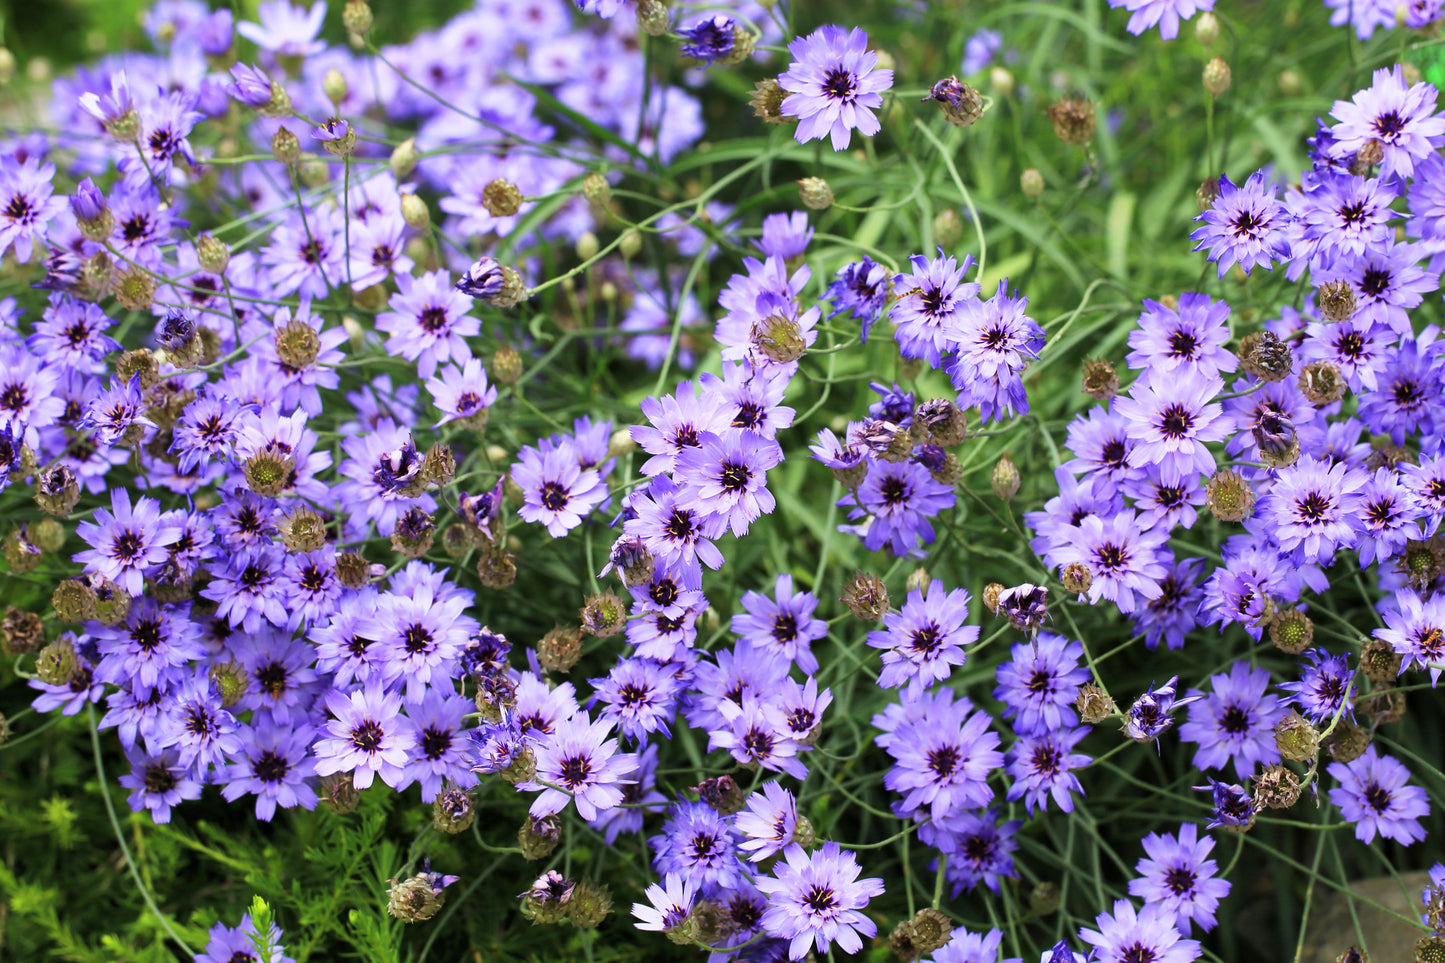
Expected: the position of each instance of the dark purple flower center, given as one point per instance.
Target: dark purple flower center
(159, 779)
(634, 695)
(1175, 421)
(925, 639)
(1138, 953)
(785, 628)
(435, 742)
(750, 415)
(1377, 797)
(417, 639)
(146, 634)
(271, 767)
(20, 209)
(1182, 344)
(367, 736)
(432, 319)
(1313, 507)
(1040, 681)
(575, 770)
(1179, 881)
(1234, 720)
(163, 143)
(1375, 282)
(1389, 124)
(272, 678)
(126, 546)
(944, 761)
(1111, 558)
(979, 849)
(1114, 453)
(820, 899)
(801, 720)
(894, 491)
(1407, 393)
(758, 743)
(1352, 213)
(382, 255)
(554, 497)
(934, 301)
(135, 228)
(679, 526)
(1046, 759)
(312, 252)
(685, 436)
(735, 477)
(840, 84)
(1246, 224)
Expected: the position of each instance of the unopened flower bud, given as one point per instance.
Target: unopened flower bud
(587, 246)
(629, 245)
(767, 102)
(803, 833)
(506, 366)
(48, 534)
(1296, 739)
(652, 17)
(1001, 81)
(1206, 194)
(1379, 661)
(338, 793)
(991, 593)
(302, 530)
(815, 193)
(112, 603)
(1101, 381)
(232, 680)
(73, 600)
(497, 568)
(1277, 440)
(501, 197)
(135, 289)
(1371, 152)
(1045, 898)
(1005, 478)
(415, 212)
(414, 900)
(1228, 496)
(1216, 77)
(452, 811)
(866, 597)
(1073, 120)
(947, 227)
(603, 615)
(356, 17)
(57, 662)
(333, 85)
(918, 580)
(285, 147)
(961, 103)
(1347, 742)
(297, 344)
(596, 189)
(1291, 84)
(559, 649)
(538, 838)
(1031, 182)
(1206, 29)
(1382, 706)
(20, 551)
(723, 794)
(1337, 300)
(403, 159)
(1076, 578)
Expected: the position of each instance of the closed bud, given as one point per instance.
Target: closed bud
(778, 338)
(723, 794)
(1379, 661)
(497, 568)
(414, 533)
(21, 632)
(652, 17)
(1206, 194)
(439, 465)
(1216, 77)
(134, 289)
(629, 244)
(961, 103)
(815, 193)
(1321, 382)
(356, 17)
(352, 570)
(1101, 381)
(1002, 81)
(991, 593)
(1005, 478)
(1277, 440)
(1296, 739)
(21, 553)
(1347, 742)
(947, 227)
(333, 85)
(590, 904)
(415, 212)
(73, 600)
(302, 530)
(596, 189)
(1228, 496)
(501, 197)
(212, 254)
(57, 489)
(1291, 84)
(1031, 182)
(538, 838)
(1076, 578)
(803, 832)
(1337, 300)
(1291, 631)
(48, 534)
(57, 662)
(1206, 29)
(414, 900)
(403, 159)
(559, 649)
(604, 615)
(314, 172)
(1371, 152)
(1073, 120)
(866, 597)
(338, 793)
(767, 102)
(587, 246)
(927, 931)
(285, 147)
(917, 580)
(452, 811)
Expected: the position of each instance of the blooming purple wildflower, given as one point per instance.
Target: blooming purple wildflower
(1177, 874)
(639, 695)
(993, 344)
(1170, 419)
(238, 945)
(1191, 337)
(273, 765)
(585, 766)
(836, 86)
(1323, 686)
(1150, 715)
(966, 947)
(428, 322)
(675, 534)
(29, 206)
(768, 822)
(1415, 628)
(1129, 936)
(698, 844)
(923, 641)
(366, 735)
(1040, 766)
(1245, 226)
(933, 300)
(126, 543)
(159, 782)
(786, 626)
(861, 289)
(196, 726)
(943, 762)
(1313, 507)
(286, 29)
(709, 38)
(1235, 723)
(1165, 14)
(670, 904)
(1039, 682)
(757, 734)
(1126, 561)
(1374, 795)
(814, 899)
(1402, 118)
(723, 478)
(898, 498)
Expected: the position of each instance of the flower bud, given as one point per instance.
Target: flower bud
(1073, 120)
(1031, 182)
(352, 570)
(1291, 84)
(1001, 80)
(652, 17)
(497, 568)
(285, 147)
(403, 159)
(1291, 631)
(815, 193)
(302, 530)
(629, 244)
(1206, 29)
(961, 103)
(414, 900)
(1277, 440)
(452, 811)
(73, 600)
(1045, 899)
(767, 102)
(945, 422)
(559, 649)
(414, 212)
(1094, 704)
(866, 597)
(1076, 578)
(918, 581)
(57, 662)
(501, 198)
(333, 85)
(48, 534)
(1296, 739)
(778, 338)
(356, 17)
(212, 254)
(603, 615)
(947, 227)
(1101, 381)
(20, 552)
(415, 531)
(1229, 497)
(1337, 300)
(1005, 478)
(1379, 661)
(587, 246)
(1347, 742)
(1216, 77)
(538, 838)
(991, 593)
(1371, 152)
(1206, 194)
(1382, 706)
(232, 680)
(57, 489)
(1265, 356)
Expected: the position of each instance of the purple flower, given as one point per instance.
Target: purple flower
(1127, 936)
(1245, 225)
(1040, 765)
(1415, 628)
(834, 81)
(698, 844)
(944, 761)
(462, 394)
(1313, 507)
(583, 764)
(1040, 681)
(428, 322)
(814, 899)
(1401, 118)
(227, 945)
(126, 544)
(366, 735)
(768, 822)
(1125, 560)
(1323, 685)
(672, 532)
(27, 206)
(639, 695)
(861, 289)
(709, 39)
(1149, 716)
(439, 759)
(249, 85)
(994, 343)
(670, 904)
(897, 499)
(1191, 338)
(1374, 795)
(785, 626)
(1177, 874)
(1235, 722)
(723, 479)
(1170, 419)
(273, 765)
(1345, 215)
(196, 725)
(757, 734)
(933, 301)
(159, 782)
(1165, 14)
(286, 29)
(923, 641)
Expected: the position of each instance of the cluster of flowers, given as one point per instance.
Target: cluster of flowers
(244, 640)
(1366, 16)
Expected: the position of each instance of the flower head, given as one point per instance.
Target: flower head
(835, 85)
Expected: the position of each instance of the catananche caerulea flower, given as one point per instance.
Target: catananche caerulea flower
(1039, 682)
(768, 822)
(943, 761)
(861, 289)
(1323, 684)
(815, 899)
(1401, 117)
(993, 345)
(583, 763)
(1165, 14)
(366, 735)
(1129, 936)
(1415, 628)
(1245, 225)
(159, 782)
(925, 640)
(932, 301)
(835, 85)
(1126, 561)
(272, 764)
(667, 904)
(699, 844)
(723, 478)
(1170, 419)
(1313, 507)
(1191, 336)
(1235, 722)
(784, 624)
(127, 542)
(238, 945)
(1177, 874)
(1374, 794)
(30, 205)
(428, 322)
(898, 499)
(1041, 765)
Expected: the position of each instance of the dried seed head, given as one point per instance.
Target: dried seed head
(269, 472)
(1073, 120)
(1422, 563)
(73, 601)
(112, 604)
(297, 344)
(603, 615)
(946, 423)
(1005, 478)
(338, 793)
(815, 193)
(1347, 742)
(1094, 704)
(1076, 578)
(1382, 705)
(352, 570)
(302, 530)
(723, 794)
(1229, 497)
(1265, 356)
(1101, 381)
(1337, 300)
(590, 904)
(1371, 152)
(497, 568)
(559, 649)
(927, 931)
(1291, 631)
(866, 597)
(947, 227)
(415, 531)
(501, 197)
(1206, 194)
(1430, 949)
(1276, 788)
(1322, 382)
(439, 465)
(767, 102)
(134, 289)
(414, 900)
(961, 103)
(1380, 661)
(778, 338)
(21, 632)
(1296, 739)
(1045, 898)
